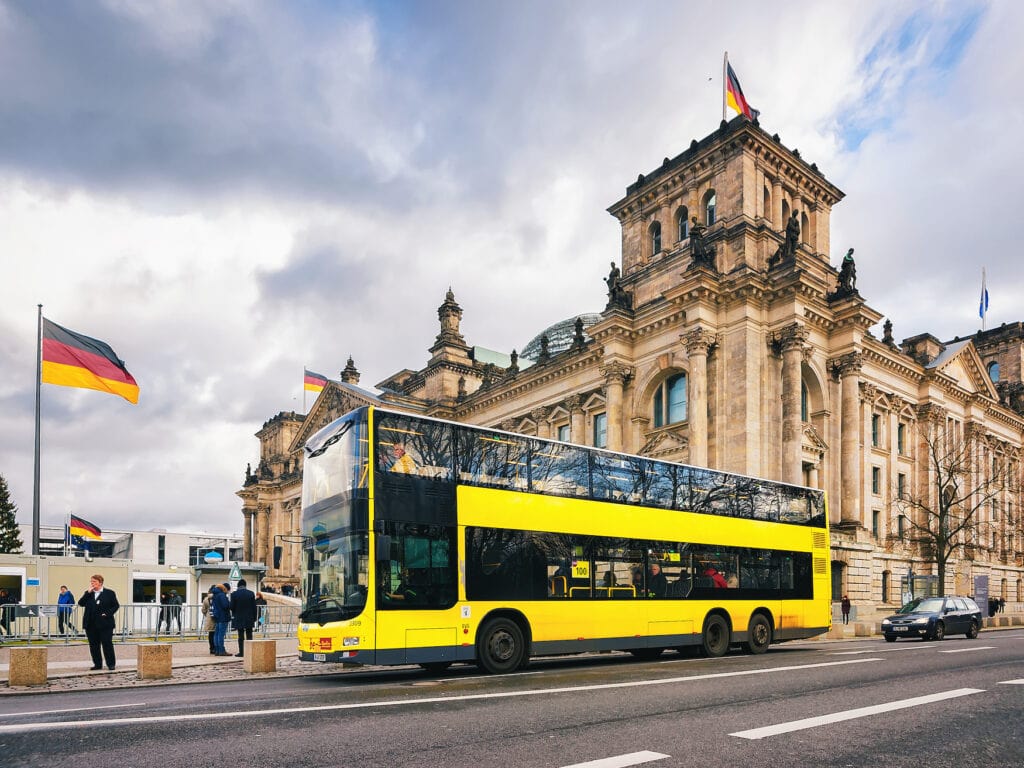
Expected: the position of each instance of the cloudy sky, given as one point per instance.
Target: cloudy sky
(228, 192)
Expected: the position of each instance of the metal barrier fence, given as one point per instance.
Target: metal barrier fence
(135, 621)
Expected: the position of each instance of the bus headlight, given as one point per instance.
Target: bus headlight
(349, 641)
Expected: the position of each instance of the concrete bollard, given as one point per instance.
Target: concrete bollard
(154, 661)
(863, 629)
(260, 656)
(27, 666)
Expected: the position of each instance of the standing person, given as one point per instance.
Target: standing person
(220, 609)
(5, 612)
(844, 604)
(209, 625)
(243, 614)
(100, 605)
(174, 611)
(261, 609)
(65, 605)
(164, 617)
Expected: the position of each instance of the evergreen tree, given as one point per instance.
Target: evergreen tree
(10, 536)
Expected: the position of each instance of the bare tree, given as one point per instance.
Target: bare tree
(964, 480)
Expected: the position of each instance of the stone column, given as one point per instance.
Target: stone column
(248, 512)
(540, 417)
(577, 427)
(792, 339)
(698, 343)
(615, 375)
(776, 214)
(849, 443)
(263, 552)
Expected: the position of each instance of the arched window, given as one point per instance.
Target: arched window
(670, 401)
(805, 228)
(993, 370)
(709, 208)
(655, 232)
(767, 209)
(682, 224)
(803, 401)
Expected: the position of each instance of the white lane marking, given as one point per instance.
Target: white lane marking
(972, 648)
(1011, 682)
(852, 714)
(884, 650)
(621, 761)
(73, 709)
(95, 723)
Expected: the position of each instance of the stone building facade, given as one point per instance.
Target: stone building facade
(729, 340)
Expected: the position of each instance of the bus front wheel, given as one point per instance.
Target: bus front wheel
(500, 647)
(715, 638)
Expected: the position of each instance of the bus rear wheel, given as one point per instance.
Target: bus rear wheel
(715, 638)
(759, 634)
(500, 647)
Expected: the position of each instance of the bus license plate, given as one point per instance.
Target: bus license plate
(319, 657)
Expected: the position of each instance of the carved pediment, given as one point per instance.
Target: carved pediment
(665, 444)
(813, 441)
(961, 362)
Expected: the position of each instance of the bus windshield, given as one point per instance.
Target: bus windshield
(335, 521)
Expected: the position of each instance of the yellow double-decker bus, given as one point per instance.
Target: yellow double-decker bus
(430, 542)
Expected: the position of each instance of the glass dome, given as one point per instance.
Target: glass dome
(560, 335)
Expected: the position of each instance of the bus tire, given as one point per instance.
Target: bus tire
(759, 634)
(435, 667)
(500, 647)
(714, 641)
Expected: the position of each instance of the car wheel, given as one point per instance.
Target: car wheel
(890, 638)
(939, 632)
(972, 631)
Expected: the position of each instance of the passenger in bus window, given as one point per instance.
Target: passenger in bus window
(657, 584)
(717, 579)
(404, 463)
(403, 591)
(638, 579)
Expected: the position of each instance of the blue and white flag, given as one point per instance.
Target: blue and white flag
(983, 303)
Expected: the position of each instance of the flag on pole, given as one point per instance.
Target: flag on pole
(983, 303)
(314, 382)
(72, 360)
(734, 94)
(81, 531)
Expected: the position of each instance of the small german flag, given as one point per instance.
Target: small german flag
(73, 360)
(82, 528)
(314, 382)
(735, 97)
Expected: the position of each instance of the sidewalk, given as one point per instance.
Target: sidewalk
(68, 667)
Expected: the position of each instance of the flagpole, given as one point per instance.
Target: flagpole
(304, 390)
(35, 474)
(984, 299)
(725, 77)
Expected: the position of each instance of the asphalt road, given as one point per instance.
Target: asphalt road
(957, 702)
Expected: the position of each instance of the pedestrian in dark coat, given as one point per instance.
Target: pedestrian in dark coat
(220, 609)
(243, 614)
(99, 605)
(845, 605)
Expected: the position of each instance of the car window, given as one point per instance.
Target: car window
(971, 605)
(960, 604)
(923, 605)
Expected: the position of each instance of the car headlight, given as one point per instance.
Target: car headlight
(921, 621)
(886, 622)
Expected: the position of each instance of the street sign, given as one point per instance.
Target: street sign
(236, 573)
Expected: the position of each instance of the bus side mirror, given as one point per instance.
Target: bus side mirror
(383, 551)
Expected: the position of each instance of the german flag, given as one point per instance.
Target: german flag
(314, 382)
(83, 529)
(734, 95)
(73, 360)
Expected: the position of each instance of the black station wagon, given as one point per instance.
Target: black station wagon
(932, 618)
